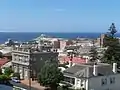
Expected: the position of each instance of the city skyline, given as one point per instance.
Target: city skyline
(58, 15)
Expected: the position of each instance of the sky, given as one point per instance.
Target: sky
(59, 15)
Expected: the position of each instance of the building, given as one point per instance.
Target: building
(91, 76)
(25, 58)
(62, 44)
(5, 87)
(56, 44)
(102, 39)
(75, 60)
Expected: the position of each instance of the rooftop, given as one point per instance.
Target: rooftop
(3, 61)
(34, 48)
(76, 60)
(86, 70)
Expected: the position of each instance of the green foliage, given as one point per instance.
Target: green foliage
(50, 75)
(4, 77)
(112, 54)
(112, 29)
(93, 54)
(16, 75)
(8, 71)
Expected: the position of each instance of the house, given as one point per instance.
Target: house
(93, 76)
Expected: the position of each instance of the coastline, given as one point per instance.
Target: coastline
(26, 36)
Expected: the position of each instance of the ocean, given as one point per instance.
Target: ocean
(26, 36)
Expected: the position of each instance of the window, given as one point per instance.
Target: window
(40, 58)
(82, 82)
(25, 59)
(70, 80)
(103, 81)
(78, 80)
(112, 80)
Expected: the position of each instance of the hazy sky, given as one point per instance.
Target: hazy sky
(59, 15)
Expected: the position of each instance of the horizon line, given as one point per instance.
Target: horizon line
(49, 32)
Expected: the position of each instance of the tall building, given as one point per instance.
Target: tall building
(102, 39)
(62, 44)
(27, 59)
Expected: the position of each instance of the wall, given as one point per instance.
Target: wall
(62, 45)
(95, 83)
(20, 58)
(22, 69)
(80, 83)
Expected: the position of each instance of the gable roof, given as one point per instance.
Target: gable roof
(86, 70)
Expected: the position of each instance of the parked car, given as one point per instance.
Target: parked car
(15, 79)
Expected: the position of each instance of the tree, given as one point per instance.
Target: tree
(112, 29)
(8, 71)
(112, 54)
(110, 38)
(93, 53)
(4, 78)
(16, 75)
(50, 76)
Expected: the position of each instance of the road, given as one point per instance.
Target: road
(5, 87)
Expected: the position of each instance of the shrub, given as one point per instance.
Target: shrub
(8, 71)
(4, 78)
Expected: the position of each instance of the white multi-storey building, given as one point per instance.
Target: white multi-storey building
(93, 76)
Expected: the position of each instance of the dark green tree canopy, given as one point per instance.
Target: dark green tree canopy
(50, 75)
(8, 71)
(112, 29)
(112, 54)
(93, 54)
(110, 39)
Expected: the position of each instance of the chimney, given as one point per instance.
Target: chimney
(87, 60)
(70, 61)
(95, 69)
(114, 67)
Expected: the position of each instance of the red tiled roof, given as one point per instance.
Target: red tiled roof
(3, 61)
(77, 60)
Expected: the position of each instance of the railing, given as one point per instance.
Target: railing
(27, 63)
(21, 50)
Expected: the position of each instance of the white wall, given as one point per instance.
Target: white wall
(95, 83)
(79, 82)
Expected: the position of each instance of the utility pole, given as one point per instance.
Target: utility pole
(30, 71)
(29, 76)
